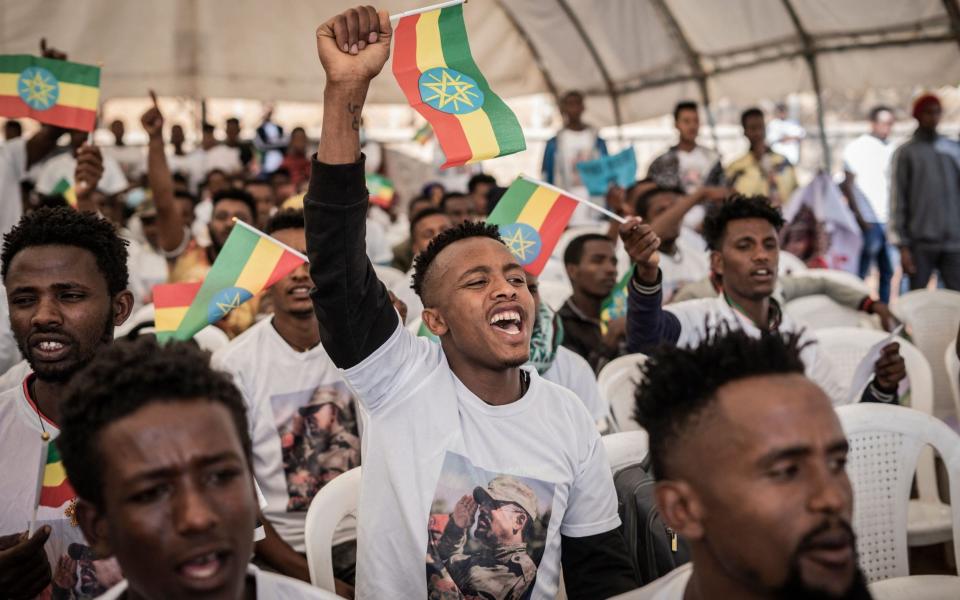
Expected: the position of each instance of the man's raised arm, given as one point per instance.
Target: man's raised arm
(355, 313)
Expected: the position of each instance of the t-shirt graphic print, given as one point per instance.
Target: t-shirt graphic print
(318, 439)
(486, 534)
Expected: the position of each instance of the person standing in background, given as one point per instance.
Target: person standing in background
(866, 165)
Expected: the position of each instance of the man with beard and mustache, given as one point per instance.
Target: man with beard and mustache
(749, 459)
(188, 260)
(66, 276)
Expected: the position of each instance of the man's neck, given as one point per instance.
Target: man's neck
(495, 387)
(587, 304)
(47, 396)
(758, 150)
(300, 332)
(575, 126)
(178, 150)
(708, 584)
(686, 146)
(757, 311)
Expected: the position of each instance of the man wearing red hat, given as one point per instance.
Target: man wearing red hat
(925, 200)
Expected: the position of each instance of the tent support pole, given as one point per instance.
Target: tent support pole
(693, 58)
(810, 55)
(602, 68)
(953, 11)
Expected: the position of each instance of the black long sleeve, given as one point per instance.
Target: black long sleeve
(596, 566)
(355, 313)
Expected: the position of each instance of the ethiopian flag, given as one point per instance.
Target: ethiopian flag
(250, 262)
(615, 305)
(381, 190)
(171, 302)
(434, 67)
(532, 216)
(55, 92)
(55, 490)
(65, 188)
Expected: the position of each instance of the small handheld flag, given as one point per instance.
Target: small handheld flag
(423, 135)
(171, 302)
(53, 487)
(381, 190)
(250, 262)
(615, 305)
(67, 190)
(433, 65)
(55, 92)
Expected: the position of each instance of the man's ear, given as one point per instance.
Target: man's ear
(680, 507)
(122, 307)
(572, 271)
(716, 262)
(93, 523)
(434, 322)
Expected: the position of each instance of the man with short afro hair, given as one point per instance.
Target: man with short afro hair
(65, 274)
(744, 251)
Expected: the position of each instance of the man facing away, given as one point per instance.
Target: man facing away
(749, 460)
(443, 419)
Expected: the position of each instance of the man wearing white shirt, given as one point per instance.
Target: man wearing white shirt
(744, 243)
(748, 457)
(457, 434)
(156, 444)
(866, 163)
(291, 387)
(61, 168)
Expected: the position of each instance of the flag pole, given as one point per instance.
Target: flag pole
(417, 11)
(592, 205)
(249, 227)
(36, 498)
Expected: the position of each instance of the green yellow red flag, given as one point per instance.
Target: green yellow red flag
(615, 305)
(55, 92)
(55, 490)
(436, 71)
(171, 302)
(532, 216)
(249, 262)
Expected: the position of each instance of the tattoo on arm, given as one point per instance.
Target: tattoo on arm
(354, 109)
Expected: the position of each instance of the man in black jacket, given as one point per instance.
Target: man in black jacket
(442, 419)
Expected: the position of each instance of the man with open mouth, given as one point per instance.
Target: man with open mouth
(744, 250)
(440, 417)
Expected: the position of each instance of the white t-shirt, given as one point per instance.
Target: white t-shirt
(698, 317)
(147, 268)
(270, 586)
(62, 166)
(780, 129)
(671, 586)
(430, 442)
(694, 166)
(294, 454)
(574, 147)
(13, 169)
(201, 162)
(20, 454)
(868, 158)
(687, 265)
(573, 372)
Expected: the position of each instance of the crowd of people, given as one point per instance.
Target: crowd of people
(472, 403)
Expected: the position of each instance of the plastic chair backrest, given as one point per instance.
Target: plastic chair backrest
(845, 347)
(618, 384)
(820, 312)
(885, 442)
(625, 448)
(392, 278)
(932, 317)
(952, 364)
(333, 502)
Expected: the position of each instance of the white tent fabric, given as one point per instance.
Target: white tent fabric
(638, 56)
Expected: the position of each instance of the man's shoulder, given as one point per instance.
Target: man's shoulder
(671, 586)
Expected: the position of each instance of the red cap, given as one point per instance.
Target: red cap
(923, 102)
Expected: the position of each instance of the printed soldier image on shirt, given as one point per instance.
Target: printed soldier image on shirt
(318, 439)
(486, 533)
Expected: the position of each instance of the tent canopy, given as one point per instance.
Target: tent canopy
(633, 58)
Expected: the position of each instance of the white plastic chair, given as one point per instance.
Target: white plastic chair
(917, 587)
(952, 364)
(837, 276)
(790, 264)
(625, 448)
(334, 501)
(820, 312)
(929, 521)
(885, 443)
(555, 293)
(932, 317)
(392, 278)
(618, 384)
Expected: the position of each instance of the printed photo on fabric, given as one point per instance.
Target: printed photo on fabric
(486, 534)
(318, 438)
